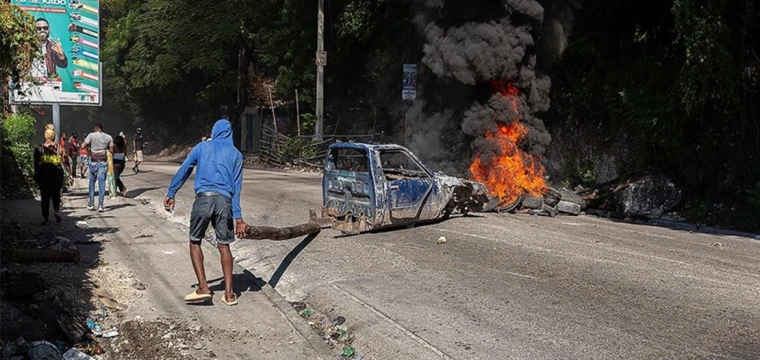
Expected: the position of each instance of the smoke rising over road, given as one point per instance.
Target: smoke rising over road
(475, 44)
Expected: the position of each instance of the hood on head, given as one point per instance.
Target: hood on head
(222, 130)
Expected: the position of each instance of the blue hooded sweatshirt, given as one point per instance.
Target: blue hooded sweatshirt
(220, 167)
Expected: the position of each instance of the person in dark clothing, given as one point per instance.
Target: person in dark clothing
(120, 160)
(48, 173)
(73, 152)
(138, 142)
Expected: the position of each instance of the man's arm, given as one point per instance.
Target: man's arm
(183, 173)
(110, 144)
(237, 213)
(86, 142)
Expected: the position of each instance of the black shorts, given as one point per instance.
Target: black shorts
(216, 210)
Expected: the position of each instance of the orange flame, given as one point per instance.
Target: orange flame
(514, 172)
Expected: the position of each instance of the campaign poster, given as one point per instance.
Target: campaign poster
(68, 70)
(409, 83)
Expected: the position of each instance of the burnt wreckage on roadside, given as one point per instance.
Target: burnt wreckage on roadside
(367, 187)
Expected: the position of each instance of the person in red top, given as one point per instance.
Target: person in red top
(72, 150)
(84, 159)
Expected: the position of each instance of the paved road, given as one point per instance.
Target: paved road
(504, 287)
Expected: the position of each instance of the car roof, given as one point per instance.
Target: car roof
(353, 145)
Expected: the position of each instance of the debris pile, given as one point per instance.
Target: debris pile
(334, 331)
(552, 203)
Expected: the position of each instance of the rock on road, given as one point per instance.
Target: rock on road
(502, 287)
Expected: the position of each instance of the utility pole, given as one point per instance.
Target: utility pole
(321, 62)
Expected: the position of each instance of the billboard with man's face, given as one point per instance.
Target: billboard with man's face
(68, 71)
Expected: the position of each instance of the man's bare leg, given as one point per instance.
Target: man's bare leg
(226, 254)
(196, 255)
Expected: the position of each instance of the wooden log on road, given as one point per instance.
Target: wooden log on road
(285, 233)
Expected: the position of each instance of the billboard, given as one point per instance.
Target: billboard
(68, 72)
(409, 83)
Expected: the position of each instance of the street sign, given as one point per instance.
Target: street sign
(409, 82)
(321, 58)
(69, 71)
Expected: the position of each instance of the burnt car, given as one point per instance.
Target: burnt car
(367, 187)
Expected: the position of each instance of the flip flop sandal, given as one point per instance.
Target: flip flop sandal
(195, 297)
(231, 303)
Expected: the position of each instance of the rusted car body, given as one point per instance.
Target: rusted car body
(367, 187)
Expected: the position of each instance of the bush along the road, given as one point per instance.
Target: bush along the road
(17, 163)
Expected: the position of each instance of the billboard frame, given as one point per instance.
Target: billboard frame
(11, 94)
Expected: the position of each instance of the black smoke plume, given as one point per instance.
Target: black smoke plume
(468, 45)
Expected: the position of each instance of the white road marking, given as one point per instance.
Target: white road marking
(406, 331)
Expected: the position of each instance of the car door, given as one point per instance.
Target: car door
(347, 185)
(409, 185)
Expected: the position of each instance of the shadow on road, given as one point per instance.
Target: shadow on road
(275, 278)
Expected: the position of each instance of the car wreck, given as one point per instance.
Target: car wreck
(367, 187)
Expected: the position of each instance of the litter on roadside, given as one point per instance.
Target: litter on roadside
(305, 313)
(348, 350)
(82, 224)
(108, 300)
(76, 354)
(441, 240)
(111, 333)
(95, 327)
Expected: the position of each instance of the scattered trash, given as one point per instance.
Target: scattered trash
(441, 240)
(61, 345)
(339, 320)
(108, 300)
(76, 354)
(43, 350)
(348, 350)
(111, 333)
(299, 306)
(143, 236)
(95, 327)
(90, 348)
(82, 224)
(138, 285)
(305, 313)
(14, 348)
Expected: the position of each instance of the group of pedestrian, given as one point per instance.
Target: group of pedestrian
(218, 183)
(98, 155)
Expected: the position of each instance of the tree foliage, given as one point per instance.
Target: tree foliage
(678, 79)
(18, 47)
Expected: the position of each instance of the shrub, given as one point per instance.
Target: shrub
(16, 133)
(297, 149)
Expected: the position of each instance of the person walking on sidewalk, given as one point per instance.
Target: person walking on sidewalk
(120, 161)
(48, 173)
(217, 201)
(137, 144)
(72, 149)
(84, 159)
(99, 143)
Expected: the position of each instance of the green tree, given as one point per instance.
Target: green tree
(18, 48)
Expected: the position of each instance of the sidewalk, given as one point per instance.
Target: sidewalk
(261, 326)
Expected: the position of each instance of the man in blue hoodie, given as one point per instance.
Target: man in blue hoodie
(218, 182)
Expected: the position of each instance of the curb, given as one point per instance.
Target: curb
(301, 327)
(279, 302)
